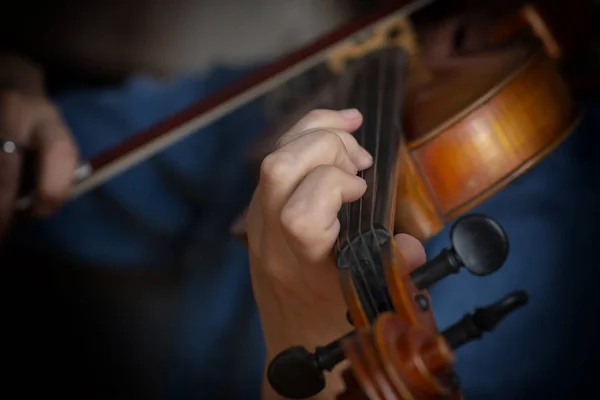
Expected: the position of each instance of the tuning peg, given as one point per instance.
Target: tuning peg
(296, 373)
(478, 243)
(472, 326)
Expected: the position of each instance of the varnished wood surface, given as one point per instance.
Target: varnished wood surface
(471, 133)
(396, 360)
(483, 128)
(401, 355)
(482, 121)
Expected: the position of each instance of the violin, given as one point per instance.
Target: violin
(413, 124)
(396, 350)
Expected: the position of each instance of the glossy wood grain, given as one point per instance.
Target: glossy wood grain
(395, 360)
(470, 132)
(474, 142)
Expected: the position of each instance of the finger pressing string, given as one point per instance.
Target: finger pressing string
(310, 216)
(340, 122)
(283, 170)
(357, 154)
(347, 120)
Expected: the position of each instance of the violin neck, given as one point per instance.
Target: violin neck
(377, 89)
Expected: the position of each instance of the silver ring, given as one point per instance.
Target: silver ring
(9, 146)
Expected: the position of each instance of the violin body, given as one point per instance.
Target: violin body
(474, 130)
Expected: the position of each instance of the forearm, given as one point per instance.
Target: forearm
(20, 74)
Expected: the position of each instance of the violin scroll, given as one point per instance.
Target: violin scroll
(399, 355)
(411, 362)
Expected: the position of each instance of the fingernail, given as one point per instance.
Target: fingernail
(361, 180)
(351, 113)
(366, 159)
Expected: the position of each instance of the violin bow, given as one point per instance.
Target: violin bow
(145, 144)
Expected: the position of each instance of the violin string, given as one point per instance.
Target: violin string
(363, 99)
(371, 267)
(377, 140)
(347, 236)
(363, 103)
(383, 59)
(345, 241)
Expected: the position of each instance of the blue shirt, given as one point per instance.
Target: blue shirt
(137, 218)
(172, 211)
(182, 202)
(546, 349)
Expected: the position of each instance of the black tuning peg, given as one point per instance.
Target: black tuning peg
(472, 326)
(295, 373)
(478, 243)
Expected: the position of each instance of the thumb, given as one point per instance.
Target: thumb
(412, 250)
